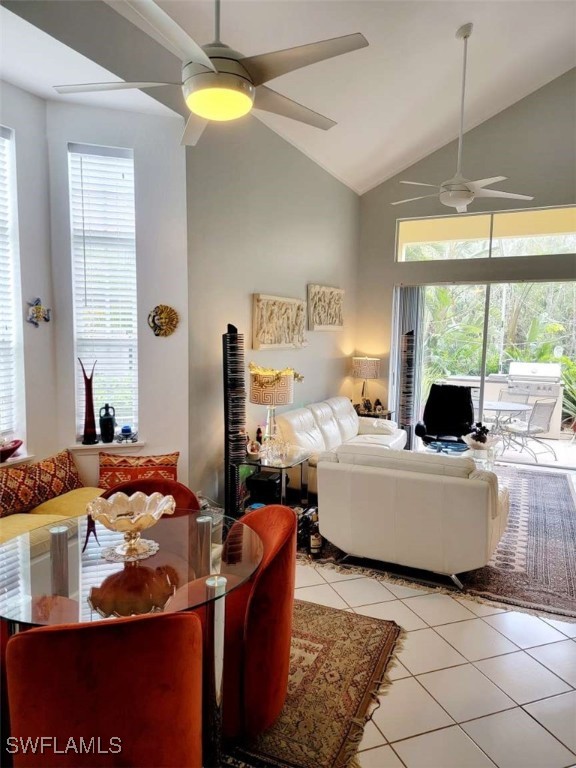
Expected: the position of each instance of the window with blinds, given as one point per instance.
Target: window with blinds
(11, 351)
(104, 278)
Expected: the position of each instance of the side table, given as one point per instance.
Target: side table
(293, 459)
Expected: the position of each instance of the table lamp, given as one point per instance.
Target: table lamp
(365, 368)
(272, 390)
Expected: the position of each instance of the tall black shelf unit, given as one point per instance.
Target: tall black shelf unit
(234, 418)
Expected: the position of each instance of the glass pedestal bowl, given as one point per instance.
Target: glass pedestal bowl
(131, 515)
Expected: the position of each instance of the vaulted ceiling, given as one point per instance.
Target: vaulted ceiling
(395, 101)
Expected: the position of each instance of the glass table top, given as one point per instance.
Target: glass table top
(54, 575)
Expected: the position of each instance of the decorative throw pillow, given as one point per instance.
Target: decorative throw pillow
(118, 468)
(23, 488)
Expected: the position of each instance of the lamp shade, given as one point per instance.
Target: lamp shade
(366, 367)
(275, 389)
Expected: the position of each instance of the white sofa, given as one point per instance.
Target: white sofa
(428, 511)
(325, 426)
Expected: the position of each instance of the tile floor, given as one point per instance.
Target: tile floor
(474, 686)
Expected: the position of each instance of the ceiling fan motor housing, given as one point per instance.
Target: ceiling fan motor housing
(230, 75)
(456, 193)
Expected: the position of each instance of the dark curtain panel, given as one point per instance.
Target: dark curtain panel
(410, 306)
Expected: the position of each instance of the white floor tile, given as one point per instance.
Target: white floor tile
(567, 628)
(398, 671)
(521, 677)
(402, 591)
(475, 639)
(425, 651)
(480, 609)
(362, 592)
(393, 610)
(560, 658)
(382, 757)
(408, 710)
(524, 630)
(514, 740)
(331, 574)
(465, 693)
(372, 737)
(323, 595)
(438, 609)
(307, 576)
(558, 715)
(447, 748)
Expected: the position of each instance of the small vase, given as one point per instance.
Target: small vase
(90, 436)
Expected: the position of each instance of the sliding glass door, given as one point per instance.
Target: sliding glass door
(511, 343)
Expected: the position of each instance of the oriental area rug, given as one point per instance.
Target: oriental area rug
(534, 565)
(337, 666)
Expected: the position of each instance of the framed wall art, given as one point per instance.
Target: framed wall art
(325, 308)
(278, 322)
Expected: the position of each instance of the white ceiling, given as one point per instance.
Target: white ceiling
(34, 61)
(395, 102)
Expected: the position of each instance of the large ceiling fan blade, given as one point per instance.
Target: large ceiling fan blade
(486, 182)
(412, 199)
(93, 87)
(419, 184)
(150, 18)
(497, 193)
(194, 129)
(271, 101)
(267, 66)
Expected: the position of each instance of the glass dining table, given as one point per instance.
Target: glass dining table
(57, 575)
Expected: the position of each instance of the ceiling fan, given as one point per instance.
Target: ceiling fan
(219, 83)
(459, 192)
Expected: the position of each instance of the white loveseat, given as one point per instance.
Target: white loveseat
(325, 426)
(428, 511)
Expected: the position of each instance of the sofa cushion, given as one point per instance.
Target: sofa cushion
(299, 428)
(15, 525)
(25, 487)
(119, 468)
(326, 421)
(345, 415)
(405, 461)
(71, 504)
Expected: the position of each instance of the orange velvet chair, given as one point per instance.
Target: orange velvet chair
(186, 500)
(258, 628)
(138, 680)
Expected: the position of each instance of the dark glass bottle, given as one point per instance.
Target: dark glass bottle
(107, 423)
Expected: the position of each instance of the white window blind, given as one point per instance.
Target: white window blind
(11, 355)
(104, 278)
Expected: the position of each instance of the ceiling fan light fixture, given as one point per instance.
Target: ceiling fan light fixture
(456, 198)
(219, 96)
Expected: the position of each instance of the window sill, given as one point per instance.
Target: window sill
(105, 447)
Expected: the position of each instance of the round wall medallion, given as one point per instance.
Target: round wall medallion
(163, 320)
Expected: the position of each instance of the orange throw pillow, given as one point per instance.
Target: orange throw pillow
(115, 468)
(25, 487)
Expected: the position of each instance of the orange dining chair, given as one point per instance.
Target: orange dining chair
(258, 626)
(186, 500)
(130, 688)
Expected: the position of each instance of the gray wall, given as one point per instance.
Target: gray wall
(533, 143)
(262, 218)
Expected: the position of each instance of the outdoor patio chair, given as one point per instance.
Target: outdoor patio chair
(519, 433)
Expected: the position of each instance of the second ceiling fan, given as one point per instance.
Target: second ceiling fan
(459, 192)
(219, 83)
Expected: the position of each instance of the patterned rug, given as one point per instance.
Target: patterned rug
(534, 565)
(337, 665)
